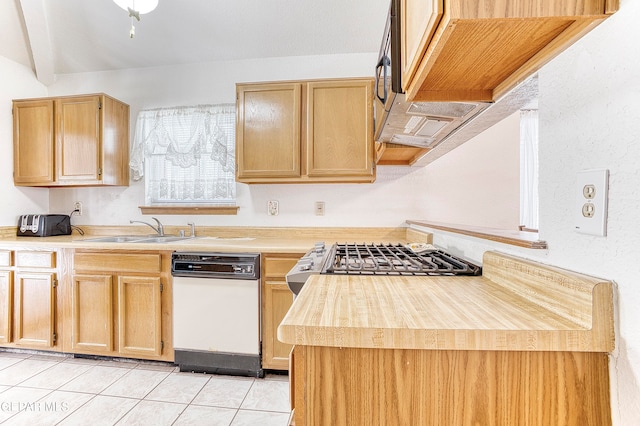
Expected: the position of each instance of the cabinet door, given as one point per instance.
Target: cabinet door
(277, 300)
(34, 303)
(78, 140)
(33, 142)
(340, 128)
(6, 303)
(92, 313)
(268, 131)
(419, 19)
(139, 316)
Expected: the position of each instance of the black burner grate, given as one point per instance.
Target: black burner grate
(394, 259)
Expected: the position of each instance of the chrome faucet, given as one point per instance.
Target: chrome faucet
(159, 229)
(193, 228)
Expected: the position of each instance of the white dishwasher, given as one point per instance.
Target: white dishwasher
(216, 312)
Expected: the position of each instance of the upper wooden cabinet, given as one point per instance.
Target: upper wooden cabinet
(305, 131)
(71, 141)
(457, 50)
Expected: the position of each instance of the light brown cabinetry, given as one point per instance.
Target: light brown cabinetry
(28, 287)
(345, 386)
(71, 141)
(305, 131)
(276, 301)
(6, 295)
(121, 304)
(458, 50)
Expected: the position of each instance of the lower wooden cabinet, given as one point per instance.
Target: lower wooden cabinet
(6, 295)
(28, 288)
(92, 313)
(139, 316)
(120, 305)
(34, 309)
(276, 301)
(346, 386)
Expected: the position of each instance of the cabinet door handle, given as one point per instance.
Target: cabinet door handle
(383, 63)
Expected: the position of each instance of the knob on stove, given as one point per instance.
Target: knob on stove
(319, 247)
(305, 263)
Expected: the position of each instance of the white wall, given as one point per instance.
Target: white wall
(17, 81)
(590, 118)
(479, 182)
(397, 194)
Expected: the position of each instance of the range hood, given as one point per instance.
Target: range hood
(422, 124)
(391, 123)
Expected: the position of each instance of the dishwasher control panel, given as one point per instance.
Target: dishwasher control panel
(216, 265)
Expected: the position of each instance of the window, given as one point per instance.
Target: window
(187, 155)
(529, 169)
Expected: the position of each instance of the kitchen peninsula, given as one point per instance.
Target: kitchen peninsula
(523, 344)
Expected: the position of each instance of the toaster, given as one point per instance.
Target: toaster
(44, 225)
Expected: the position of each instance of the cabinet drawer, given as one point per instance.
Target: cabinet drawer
(279, 266)
(36, 259)
(118, 262)
(6, 258)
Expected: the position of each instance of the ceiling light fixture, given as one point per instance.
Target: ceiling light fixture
(135, 9)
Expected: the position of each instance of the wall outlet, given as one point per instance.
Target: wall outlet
(319, 208)
(592, 193)
(273, 208)
(78, 208)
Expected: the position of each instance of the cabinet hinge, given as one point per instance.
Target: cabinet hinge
(54, 283)
(161, 287)
(161, 345)
(54, 338)
(99, 104)
(100, 172)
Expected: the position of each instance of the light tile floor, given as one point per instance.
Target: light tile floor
(42, 389)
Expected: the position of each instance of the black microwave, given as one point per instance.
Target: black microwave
(388, 81)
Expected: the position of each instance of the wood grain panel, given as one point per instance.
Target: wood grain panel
(139, 316)
(117, 262)
(115, 142)
(464, 313)
(34, 309)
(6, 258)
(340, 128)
(346, 386)
(6, 305)
(419, 21)
(276, 301)
(78, 139)
(268, 130)
(35, 259)
(33, 142)
(92, 314)
(277, 265)
(481, 50)
(389, 154)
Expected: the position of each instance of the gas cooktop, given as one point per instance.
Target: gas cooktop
(377, 259)
(394, 259)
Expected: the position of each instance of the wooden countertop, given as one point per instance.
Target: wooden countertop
(225, 239)
(516, 305)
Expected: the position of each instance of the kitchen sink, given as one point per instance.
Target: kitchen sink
(163, 239)
(137, 239)
(116, 239)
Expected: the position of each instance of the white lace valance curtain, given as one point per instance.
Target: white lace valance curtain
(529, 168)
(186, 153)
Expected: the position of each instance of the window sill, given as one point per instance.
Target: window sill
(187, 209)
(516, 238)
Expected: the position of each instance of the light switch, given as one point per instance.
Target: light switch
(592, 193)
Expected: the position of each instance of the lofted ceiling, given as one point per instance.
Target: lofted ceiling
(71, 36)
